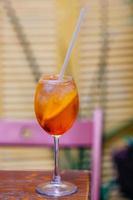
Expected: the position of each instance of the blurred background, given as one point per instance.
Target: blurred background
(34, 36)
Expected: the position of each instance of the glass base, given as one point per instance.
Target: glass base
(56, 189)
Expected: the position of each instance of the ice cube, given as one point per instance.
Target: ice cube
(49, 87)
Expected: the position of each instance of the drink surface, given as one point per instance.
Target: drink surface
(56, 104)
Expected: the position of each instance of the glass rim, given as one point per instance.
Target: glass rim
(44, 78)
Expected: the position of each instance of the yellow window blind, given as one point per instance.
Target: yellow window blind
(28, 36)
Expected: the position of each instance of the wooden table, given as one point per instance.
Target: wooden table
(20, 185)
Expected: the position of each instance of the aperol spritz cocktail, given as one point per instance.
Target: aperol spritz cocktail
(56, 108)
(56, 104)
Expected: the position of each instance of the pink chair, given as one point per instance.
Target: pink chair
(83, 134)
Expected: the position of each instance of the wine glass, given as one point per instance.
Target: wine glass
(56, 108)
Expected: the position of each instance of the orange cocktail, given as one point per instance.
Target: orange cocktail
(56, 104)
(56, 108)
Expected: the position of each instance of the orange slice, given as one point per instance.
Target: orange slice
(55, 105)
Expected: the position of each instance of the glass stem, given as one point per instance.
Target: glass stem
(56, 175)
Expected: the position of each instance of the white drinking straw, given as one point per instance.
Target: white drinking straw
(72, 42)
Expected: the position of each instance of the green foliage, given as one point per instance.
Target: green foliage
(75, 158)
